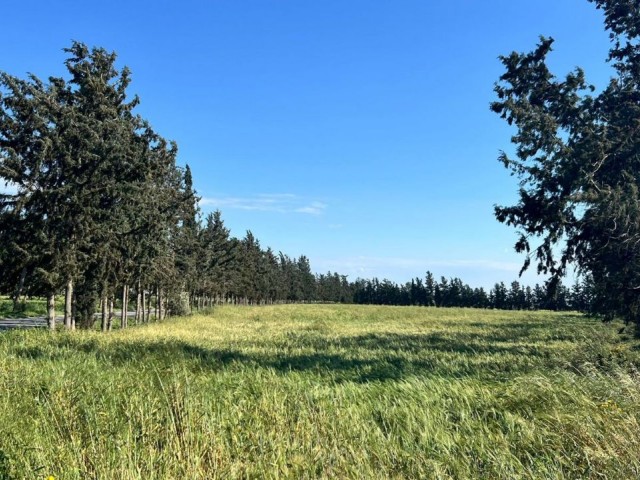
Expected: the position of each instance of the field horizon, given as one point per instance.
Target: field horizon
(324, 391)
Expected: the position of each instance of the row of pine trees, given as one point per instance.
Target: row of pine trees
(103, 216)
(101, 206)
(453, 292)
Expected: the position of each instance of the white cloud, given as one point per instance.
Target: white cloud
(315, 208)
(399, 262)
(266, 202)
(240, 203)
(486, 264)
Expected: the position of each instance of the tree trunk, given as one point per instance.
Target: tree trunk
(139, 307)
(68, 305)
(73, 311)
(157, 303)
(159, 314)
(51, 312)
(125, 301)
(148, 308)
(143, 306)
(110, 321)
(103, 307)
(18, 292)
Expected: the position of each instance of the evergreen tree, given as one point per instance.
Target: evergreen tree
(189, 249)
(499, 296)
(576, 159)
(31, 149)
(430, 290)
(220, 258)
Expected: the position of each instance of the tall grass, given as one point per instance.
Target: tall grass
(324, 392)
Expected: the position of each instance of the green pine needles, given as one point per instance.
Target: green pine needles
(576, 159)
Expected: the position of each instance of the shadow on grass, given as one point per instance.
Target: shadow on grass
(489, 354)
(419, 344)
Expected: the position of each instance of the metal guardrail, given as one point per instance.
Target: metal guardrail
(8, 323)
(41, 322)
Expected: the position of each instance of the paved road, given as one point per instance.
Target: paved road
(41, 322)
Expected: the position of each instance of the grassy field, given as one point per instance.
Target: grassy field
(324, 392)
(34, 307)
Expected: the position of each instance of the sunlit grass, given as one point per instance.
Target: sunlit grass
(324, 392)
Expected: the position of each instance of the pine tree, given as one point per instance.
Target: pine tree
(576, 159)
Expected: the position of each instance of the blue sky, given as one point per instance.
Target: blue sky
(355, 132)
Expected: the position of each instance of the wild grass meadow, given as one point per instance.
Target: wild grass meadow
(324, 391)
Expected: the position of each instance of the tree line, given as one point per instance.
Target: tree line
(100, 207)
(453, 292)
(103, 215)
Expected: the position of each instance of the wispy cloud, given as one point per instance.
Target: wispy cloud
(315, 208)
(267, 202)
(363, 265)
(486, 264)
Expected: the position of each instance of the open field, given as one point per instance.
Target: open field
(324, 391)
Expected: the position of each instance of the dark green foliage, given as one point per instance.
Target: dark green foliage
(30, 145)
(240, 271)
(98, 193)
(333, 287)
(101, 206)
(4, 467)
(577, 157)
(188, 244)
(454, 292)
(220, 256)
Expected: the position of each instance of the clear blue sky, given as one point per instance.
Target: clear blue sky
(355, 132)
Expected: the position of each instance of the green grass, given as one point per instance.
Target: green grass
(324, 392)
(33, 307)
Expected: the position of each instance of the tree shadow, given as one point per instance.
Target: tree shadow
(398, 343)
(487, 354)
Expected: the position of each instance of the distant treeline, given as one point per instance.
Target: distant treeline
(453, 292)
